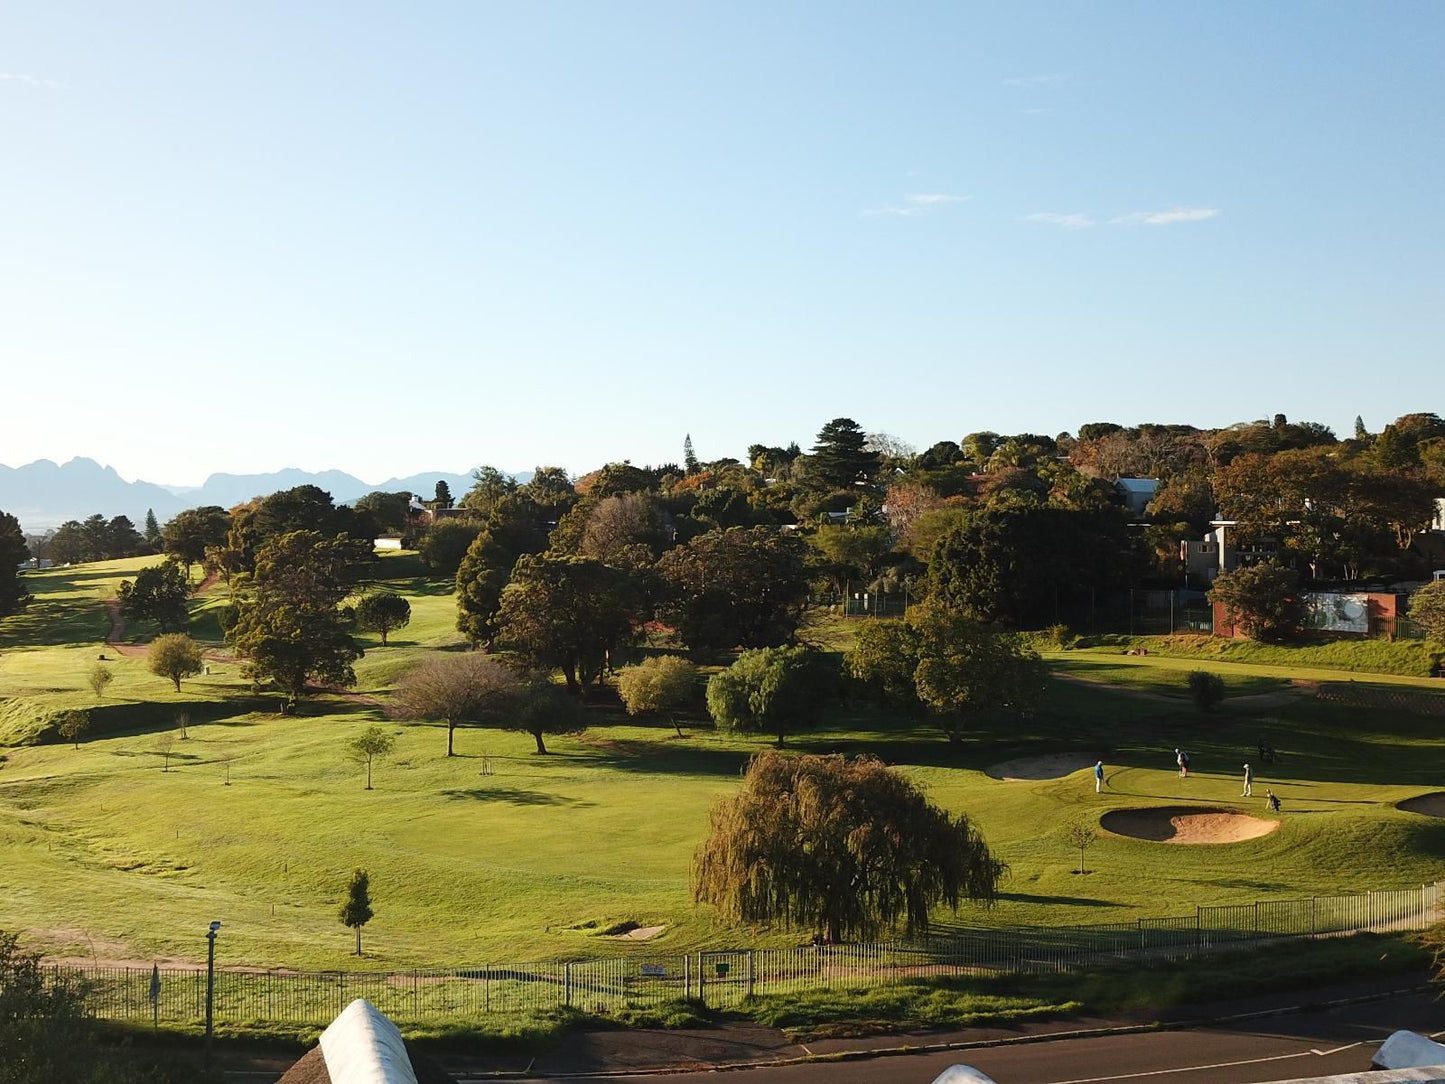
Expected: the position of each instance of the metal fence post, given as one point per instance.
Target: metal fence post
(750, 973)
(701, 982)
(567, 984)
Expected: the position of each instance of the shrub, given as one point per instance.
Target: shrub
(1205, 689)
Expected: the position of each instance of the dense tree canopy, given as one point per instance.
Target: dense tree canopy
(742, 587)
(189, 534)
(289, 628)
(1264, 600)
(841, 457)
(158, 593)
(849, 848)
(570, 613)
(773, 690)
(956, 668)
(13, 552)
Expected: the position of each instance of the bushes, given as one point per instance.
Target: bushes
(1205, 689)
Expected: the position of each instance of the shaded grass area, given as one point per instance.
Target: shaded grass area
(977, 1001)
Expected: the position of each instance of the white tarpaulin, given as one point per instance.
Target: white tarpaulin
(363, 1047)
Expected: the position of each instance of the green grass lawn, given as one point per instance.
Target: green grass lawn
(105, 855)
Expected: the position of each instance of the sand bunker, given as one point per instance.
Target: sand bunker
(1186, 824)
(640, 933)
(1429, 805)
(1046, 766)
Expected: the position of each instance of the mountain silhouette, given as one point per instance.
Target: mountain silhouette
(44, 494)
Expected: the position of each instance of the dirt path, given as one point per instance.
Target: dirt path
(115, 638)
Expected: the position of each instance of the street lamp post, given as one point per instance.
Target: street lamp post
(210, 986)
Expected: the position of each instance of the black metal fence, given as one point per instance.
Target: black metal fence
(493, 994)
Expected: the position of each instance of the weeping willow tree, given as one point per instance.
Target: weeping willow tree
(850, 848)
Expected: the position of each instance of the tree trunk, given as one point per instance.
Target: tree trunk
(451, 729)
(383, 635)
(358, 940)
(675, 725)
(835, 934)
(569, 671)
(178, 683)
(779, 742)
(541, 748)
(368, 787)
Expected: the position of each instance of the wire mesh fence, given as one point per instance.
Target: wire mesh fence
(492, 993)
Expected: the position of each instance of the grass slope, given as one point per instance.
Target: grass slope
(107, 856)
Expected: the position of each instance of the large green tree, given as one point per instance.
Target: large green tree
(841, 458)
(188, 535)
(1427, 609)
(382, 612)
(482, 575)
(302, 508)
(956, 668)
(391, 511)
(773, 690)
(740, 587)
(659, 684)
(569, 613)
(158, 593)
(289, 628)
(850, 848)
(13, 553)
(1264, 600)
(1020, 563)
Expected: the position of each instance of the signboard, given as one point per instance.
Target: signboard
(722, 970)
(654, 971)
(1338, 613)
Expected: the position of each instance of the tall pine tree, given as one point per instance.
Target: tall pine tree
(152, 531)
(689, 459)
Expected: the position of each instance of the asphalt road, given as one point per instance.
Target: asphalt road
(1320, 1043)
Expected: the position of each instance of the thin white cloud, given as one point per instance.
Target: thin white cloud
(916, 203)
(1051, 80)
(29, 80)
(1075, 221)
(1165, 218)
(933, 199)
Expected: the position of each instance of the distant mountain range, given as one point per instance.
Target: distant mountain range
(43, 495)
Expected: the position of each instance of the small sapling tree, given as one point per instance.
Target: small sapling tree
(183, 720)
(1081, 836)
(366, 747)
(165, 746)
(73, 726)
(98, 677)
(1206, 689)
(174, 656)
(356, 908)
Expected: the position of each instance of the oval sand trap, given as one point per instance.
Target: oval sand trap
(1045, 766)
(1186, 824)
(1429, 805)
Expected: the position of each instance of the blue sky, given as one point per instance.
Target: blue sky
(397, 237)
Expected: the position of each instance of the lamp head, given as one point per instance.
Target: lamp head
(214, 927)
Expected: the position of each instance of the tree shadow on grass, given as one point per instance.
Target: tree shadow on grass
(514, 796)
(1058, 901)
(651, 758)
